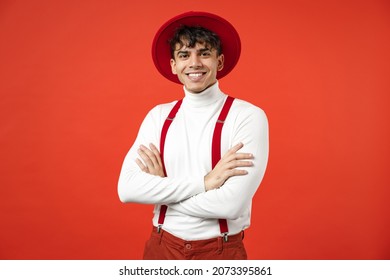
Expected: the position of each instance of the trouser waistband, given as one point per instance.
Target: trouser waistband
(165, 246)
(178, 241)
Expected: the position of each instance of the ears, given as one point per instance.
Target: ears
(173, 66)
(220, 58)
(221, 62)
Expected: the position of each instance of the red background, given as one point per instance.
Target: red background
(77, 78)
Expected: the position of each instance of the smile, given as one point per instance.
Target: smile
(195, 76)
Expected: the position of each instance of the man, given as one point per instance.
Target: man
(202, 200)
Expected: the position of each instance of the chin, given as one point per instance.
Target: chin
(196, 90)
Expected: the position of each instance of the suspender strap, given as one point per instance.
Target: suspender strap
(216, 151)
(164, 131)
(165, 128)
(216, 147)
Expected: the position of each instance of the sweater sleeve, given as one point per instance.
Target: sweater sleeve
(229, 201)
(140, 187)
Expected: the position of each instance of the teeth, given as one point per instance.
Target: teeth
(195, 74)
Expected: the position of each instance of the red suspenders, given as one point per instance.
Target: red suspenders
(167, 123)
(215, 153)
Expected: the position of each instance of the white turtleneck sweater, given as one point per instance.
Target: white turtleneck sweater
(192, 212)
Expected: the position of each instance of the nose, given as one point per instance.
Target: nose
(195, 61)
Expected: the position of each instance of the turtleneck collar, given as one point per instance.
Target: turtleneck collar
(204, 98)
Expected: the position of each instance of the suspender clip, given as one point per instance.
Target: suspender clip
(225, 236)
(159, 228)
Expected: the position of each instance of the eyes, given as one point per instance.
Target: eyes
(183, 55)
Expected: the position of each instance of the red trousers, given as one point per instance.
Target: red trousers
(165, 246)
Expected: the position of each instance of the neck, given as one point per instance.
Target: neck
(204, 98)
(197, 92)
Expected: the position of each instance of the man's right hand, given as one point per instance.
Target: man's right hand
(227, 167)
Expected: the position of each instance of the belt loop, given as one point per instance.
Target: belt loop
(242, 235)
(161, 232)
(220, 245)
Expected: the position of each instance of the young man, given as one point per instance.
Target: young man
(199, 160)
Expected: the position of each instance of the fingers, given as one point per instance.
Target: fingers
(235, 148)
(141, 165)
(233, 159)
(239, 157)
(233, 155)
(156, 153)
(238, 163)
(148, 156)
(151, 161)
(228, 166)
(235, 172)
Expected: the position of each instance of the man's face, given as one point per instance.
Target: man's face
(196, 67)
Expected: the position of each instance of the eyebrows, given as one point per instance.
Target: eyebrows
(187, 51)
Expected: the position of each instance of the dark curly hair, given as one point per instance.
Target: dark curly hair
(191, 35)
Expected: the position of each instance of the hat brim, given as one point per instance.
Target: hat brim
(230, 41)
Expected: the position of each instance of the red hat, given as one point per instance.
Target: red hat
(230, 41)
